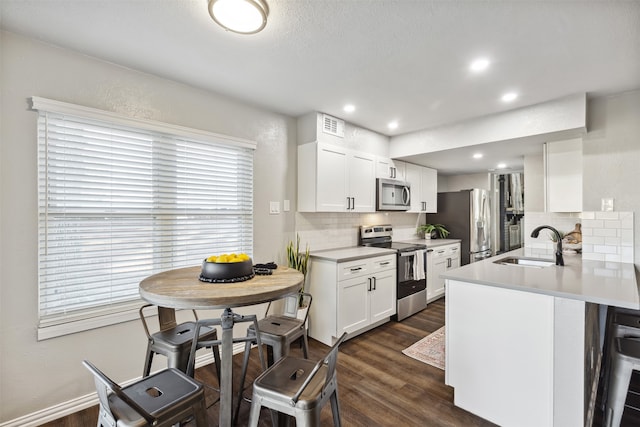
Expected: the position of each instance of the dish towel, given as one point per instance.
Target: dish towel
(418, 265)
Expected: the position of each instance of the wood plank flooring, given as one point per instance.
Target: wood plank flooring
(378, 385)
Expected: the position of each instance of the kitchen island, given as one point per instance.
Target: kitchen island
(523, 343)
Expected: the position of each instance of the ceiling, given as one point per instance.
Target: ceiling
(403, 60)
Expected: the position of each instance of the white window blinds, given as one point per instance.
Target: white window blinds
(118, 203)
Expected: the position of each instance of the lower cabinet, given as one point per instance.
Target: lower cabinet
(439, 260)
(351, 297)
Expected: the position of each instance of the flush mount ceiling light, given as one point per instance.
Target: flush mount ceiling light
(479, 65)
(393, 125)
(240, 16)
(349, 108)
(508, 97)
(477, 156)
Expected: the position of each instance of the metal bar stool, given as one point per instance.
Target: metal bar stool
(163, 399)
(625, 359)
(621, 323)
(232, 318)
(299, 388)
(281, 326)
(174, 340)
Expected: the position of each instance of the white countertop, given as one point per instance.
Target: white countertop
(609, 283)
(432, 243)
(350, 254)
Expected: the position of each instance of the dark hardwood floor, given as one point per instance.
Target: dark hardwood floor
(378, 385)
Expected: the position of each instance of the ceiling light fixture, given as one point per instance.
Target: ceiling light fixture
(240, 16)
(349, 108)
(501, 166)
(477, 156)
(508, 97)
(479, 65)
(393, 125)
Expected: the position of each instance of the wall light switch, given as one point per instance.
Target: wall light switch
(274, 208)
(606, 205)
(286, 206)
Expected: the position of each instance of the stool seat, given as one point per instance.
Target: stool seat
(162, 399)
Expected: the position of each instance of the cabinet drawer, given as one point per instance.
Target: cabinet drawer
(383, 263)
(440, 252)
(351, 269)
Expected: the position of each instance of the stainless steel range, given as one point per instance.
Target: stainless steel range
(411, 267)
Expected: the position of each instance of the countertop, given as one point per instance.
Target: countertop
(431, 243)
(351, 253)
(609, 283)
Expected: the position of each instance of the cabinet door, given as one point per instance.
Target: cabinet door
(435, 286)
(382, 297)
(454, 256)
(384, 168)
(390, 169)
(332, 179)
(430, 190)
(362, 182)
(414, 178)
(353, 310)
(563, 180)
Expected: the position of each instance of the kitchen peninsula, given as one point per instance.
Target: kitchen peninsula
(523, 343)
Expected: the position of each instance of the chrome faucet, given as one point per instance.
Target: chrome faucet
(536, 232)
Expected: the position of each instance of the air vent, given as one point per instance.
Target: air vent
(332, 126)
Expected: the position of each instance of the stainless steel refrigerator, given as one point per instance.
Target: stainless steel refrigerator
(467, 216)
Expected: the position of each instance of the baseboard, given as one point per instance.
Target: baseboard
(63, 409)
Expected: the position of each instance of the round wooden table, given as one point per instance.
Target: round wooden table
(182, 288)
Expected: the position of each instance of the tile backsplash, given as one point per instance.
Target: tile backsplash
(340, 230)
(606, 236)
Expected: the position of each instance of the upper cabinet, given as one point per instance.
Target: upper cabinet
(335, 179)
(563, 175)
(424, 188)
(390, 169)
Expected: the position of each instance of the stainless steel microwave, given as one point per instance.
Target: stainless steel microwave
(392, 195)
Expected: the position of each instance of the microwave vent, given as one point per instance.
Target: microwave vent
(333, 126)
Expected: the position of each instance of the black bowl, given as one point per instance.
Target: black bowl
(226, 270)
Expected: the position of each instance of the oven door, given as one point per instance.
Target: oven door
(411, 266)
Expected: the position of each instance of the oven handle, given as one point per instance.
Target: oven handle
(405, 254)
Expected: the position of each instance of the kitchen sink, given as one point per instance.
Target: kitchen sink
(525, 262)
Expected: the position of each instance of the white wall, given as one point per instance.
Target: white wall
(611, 155)
(464, 182)
(36, 375)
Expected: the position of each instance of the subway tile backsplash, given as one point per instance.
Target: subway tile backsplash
(606, 236)
(340, 230)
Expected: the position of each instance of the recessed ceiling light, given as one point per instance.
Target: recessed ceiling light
(349, 108)
(479, 64)
(510, 96)
(501, 166)
(477, 156)
(393, 125)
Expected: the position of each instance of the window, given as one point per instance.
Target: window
(121, 199)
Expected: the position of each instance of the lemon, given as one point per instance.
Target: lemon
(228, 258)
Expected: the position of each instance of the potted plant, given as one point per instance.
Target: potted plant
(298, 260)
(433, 230)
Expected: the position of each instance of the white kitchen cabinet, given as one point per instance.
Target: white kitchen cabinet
(440, 260)
(390, 169)
(563, 175)
(335, 179)
(352, 296)
(424, 188)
